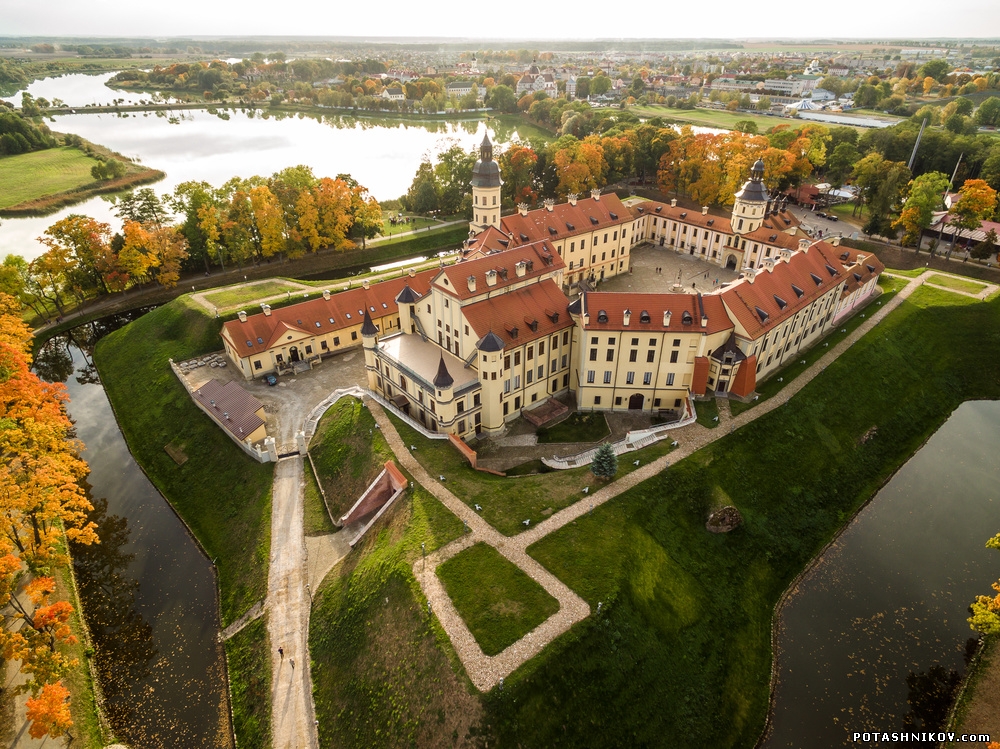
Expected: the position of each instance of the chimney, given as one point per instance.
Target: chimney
(242, 315)
(673, 202)
(520, 268)
(704, 210)
(365, 284)
(326, 294)
(835, 241)
(861, 259)
(212, 402)
(769, 263)
(491, 277)
(628, 316)
(804, 245)
(596, 193)
(267, 309)
(522, 208)
(412, 273)
(749, 274)
(704, 320)
(549, 204)
(666, 319)
(225, 415)
(472, 283)
(572, 198)
(785, 254)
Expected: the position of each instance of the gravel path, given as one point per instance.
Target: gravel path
(484, 671)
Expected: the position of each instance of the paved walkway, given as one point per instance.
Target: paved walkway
(484, 671)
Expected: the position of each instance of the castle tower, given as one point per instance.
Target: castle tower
(369, 341)
(751, 201)
(486, 184)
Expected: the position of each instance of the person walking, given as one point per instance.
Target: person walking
(281, 653)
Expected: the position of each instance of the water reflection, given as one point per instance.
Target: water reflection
(148, 593)
(875, 636)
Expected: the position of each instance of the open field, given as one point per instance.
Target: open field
(969, 287)
(29, 176)
(718, 118)
(244, 294)
(684, 633)
(499, 603)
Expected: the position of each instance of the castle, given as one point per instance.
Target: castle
(466, 348)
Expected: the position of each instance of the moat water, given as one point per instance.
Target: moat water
(148, 592)
(876, 632)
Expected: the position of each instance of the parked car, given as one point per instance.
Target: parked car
(831, 217)
(271, 380)
(820, 214)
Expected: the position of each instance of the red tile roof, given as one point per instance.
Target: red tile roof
(614, 305)
(542, 302)
(588, 215)
(691, 216)
(809, 272)
(699, 379)
(230, 399)
(540, 256)
(318, 316)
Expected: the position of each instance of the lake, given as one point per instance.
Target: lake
(381, 153)
(889, 598)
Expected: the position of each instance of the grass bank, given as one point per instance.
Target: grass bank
(248, 654)
(249, 293)
(222, 495)
(579, 427)
(969, 287)
(383, 671)
(684, 634)
(718, 118)
(498, 602)
(507, 501)
(29, 176)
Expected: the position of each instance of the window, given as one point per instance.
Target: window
(517, 402)
(593, 340)
(506, 385)
(506, 362)
(650, 357)
(597, 400)
(461, 408)
(593, 354)
(590, 376)
(461, 426)
(630, 378)
(615, 235)
(517, 358)
(583, 244)
(324, 345)
(354, 335)
(565, 380)
(647, 378)
(541, 349)
(656, 403)
(618, 401)
(611, 355)
(506, 408)
(553, 366)
(565, 341)
(494, 200)
(565, 360)
(632, 355)
(605, 237)
(607, 377)
(529, 376)
(670, 379)
(517, 382)
(673, 357)
(476, 400)
(467, 330)
(257, 364)
(309, 349)
(677, 341)
(336, 341)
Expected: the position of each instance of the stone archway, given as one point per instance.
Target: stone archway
(731, 262)
(635, 403)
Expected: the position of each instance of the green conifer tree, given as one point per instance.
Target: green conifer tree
(605, 464)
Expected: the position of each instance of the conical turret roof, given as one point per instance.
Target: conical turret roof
(443, 378)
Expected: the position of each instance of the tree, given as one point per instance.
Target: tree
(502, 99)
(423, 195)
(988, 113)
(987, 247)
(605, 463)
(977, 202)
(517, 167)
(925, 196)
(936, 69)
(143, 206)
(108, 169)
(745, 126)
(986, 610)
(600, 85)
(880, 184)
(49, 712)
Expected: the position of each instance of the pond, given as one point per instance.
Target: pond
(876, 632)
(381, 153)
(148, 592)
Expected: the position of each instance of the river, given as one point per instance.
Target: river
(887, 603)
(381, 153)
(149, 593)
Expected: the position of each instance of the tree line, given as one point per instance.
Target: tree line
(44, 504)
(199, 226)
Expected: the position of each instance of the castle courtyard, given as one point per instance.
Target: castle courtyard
(644, 278)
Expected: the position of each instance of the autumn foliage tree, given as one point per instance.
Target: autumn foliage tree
(43, 503)
(986, 609)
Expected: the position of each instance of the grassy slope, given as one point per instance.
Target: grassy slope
(683, 646)
(243, 294)
(579, 427)
(499, 603)
(222, 494)
(28, 176)
(248, 654)
(969, 287)
(718, 118)
(507, 501)
(348, 453)
(380, 665)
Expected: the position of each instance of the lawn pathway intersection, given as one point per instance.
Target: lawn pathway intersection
(288, 604)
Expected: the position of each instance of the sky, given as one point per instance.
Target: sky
(463, 19)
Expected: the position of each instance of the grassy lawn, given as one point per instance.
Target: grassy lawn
(429, 240)
(774, 384)
(708, 411)
(969, 287)
(912, 273)
(418, 222)
(317, 520)
(507, 501)
(248, 654)
(243, 294)
(349, 452)
(383, 670)
(579, 427)
(28, 176)
(499, 603)
(846, 211)
(718, 118)
(684, 633)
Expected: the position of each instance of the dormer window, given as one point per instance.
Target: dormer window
(319, 324)
(830, 270)
(260, 340)
(331, 321)
(553, 230)
(570, 226)
(659, 208)
(594, 221)
(761, 314)
(644, 316)
(816, 279)
(613, 215)
(798, 292)
(711, 221)
(684, 214)
(602, 316)
(524, 237)
(686, 318)
(780, 302)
